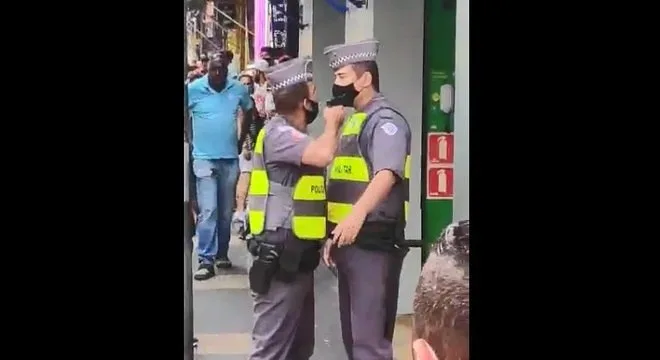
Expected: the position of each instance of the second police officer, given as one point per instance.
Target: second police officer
(367, 203)
(287, 214)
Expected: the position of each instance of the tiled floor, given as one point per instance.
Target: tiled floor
(223, 315)
(403, 338)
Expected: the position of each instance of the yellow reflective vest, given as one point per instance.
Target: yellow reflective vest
(309, 199)
(350, 174)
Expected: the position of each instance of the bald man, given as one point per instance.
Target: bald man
(442, 306)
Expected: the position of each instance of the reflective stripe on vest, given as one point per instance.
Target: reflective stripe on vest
(349, 175)
(309, 201)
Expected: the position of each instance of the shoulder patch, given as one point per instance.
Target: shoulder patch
(284, 128)
(295, 134)
(389, 128)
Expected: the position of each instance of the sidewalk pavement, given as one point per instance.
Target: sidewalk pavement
(223, 314)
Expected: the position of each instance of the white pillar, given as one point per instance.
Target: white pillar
(399, 27)
(327, 29)
(462, 113)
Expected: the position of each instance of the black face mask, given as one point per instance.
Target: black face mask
(343, 95)
(312, 113)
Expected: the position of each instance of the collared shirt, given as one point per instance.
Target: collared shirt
(385, 142)
(214, 118)
(283, 151)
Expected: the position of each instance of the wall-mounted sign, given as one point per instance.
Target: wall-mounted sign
(278, 20)
(359, 3)
(440, 183)
(440, 147)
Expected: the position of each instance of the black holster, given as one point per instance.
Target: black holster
(246, 230)
(293, 256)
(264, 267)
(252, 244)
(298, 256)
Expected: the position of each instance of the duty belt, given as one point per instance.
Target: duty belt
(378, 235)
(295, 255)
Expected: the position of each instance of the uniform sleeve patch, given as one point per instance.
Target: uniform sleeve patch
(389, 128)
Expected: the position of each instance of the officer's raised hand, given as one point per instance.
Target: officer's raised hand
(334, 115)
(347, 230)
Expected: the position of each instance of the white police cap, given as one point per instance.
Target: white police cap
(289, 73)
(350, 53)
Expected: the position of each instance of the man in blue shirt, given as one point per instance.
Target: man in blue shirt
(213, 102)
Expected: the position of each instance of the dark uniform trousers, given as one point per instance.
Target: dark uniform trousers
(284, 316)
(368, 284)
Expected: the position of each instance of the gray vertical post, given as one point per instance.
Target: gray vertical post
(187, 261)
(328, 27)
(462, 113)
(187, 234)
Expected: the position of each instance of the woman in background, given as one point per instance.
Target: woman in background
(263, 99)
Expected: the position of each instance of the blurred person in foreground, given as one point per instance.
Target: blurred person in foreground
(441, 321)
(213, 102)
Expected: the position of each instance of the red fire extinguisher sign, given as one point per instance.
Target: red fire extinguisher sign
(439, 166)
(440, 147)
(440, 183)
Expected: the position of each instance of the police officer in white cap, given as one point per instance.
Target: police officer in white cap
(367, 203)
(287, 214)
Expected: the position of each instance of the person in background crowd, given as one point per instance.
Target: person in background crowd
(246, 79)
(198, 69)
(283, 58)
(233, 73)
(213, 102)
(248, 123)
(193, 73)
(266, 53)
(260, 67)
(441, 320)
(263, 98)
(203, 63)
(253, 125)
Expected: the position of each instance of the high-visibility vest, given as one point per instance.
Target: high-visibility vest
(350, 175)
(309, 201)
